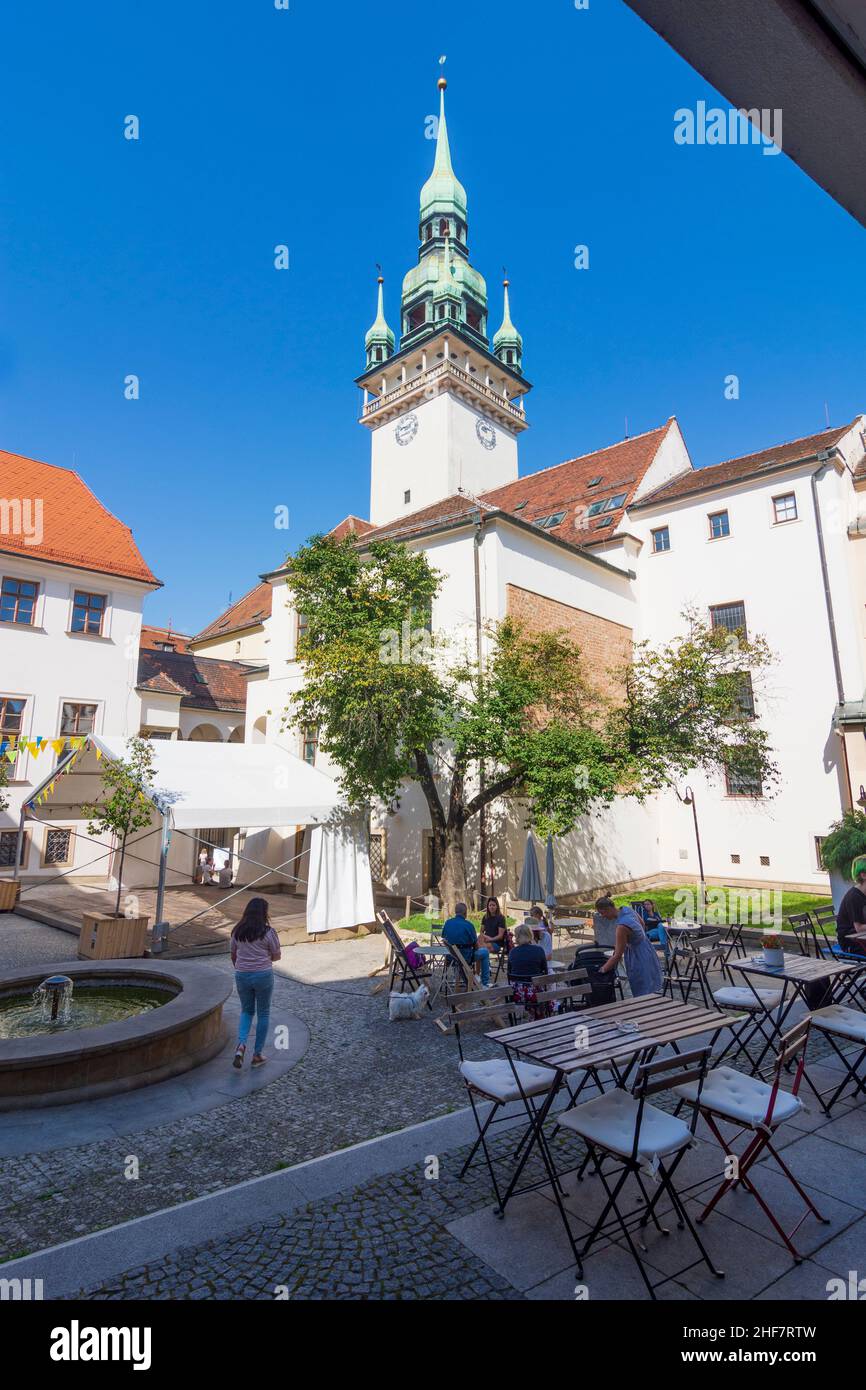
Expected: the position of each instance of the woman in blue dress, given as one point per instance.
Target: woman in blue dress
(632, 948)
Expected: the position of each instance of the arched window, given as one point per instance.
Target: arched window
(443, 226)
(510, 357)
(429, 231)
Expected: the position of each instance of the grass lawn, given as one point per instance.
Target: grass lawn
(669, 898)
(419, 924)
(744, 906)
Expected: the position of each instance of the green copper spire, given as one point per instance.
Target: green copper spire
(443, 195)
(507, 342)
(379, 341)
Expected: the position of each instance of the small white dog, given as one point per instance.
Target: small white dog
(402, 1006)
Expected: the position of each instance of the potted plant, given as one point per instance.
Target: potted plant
(124, 808)
(845, 843)
(8, 887)
(774, 949)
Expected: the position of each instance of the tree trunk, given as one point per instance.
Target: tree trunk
(120, 876)
(452, 883)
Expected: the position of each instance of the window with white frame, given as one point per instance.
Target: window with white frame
(18, 601)
(720, 525)
(75, 721)
(11, 728)
(785, 508)
(88, 613)
(661, 539)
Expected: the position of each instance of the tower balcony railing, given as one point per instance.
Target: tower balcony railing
(444, 369)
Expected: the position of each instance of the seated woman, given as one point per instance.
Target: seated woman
(494, 932)
(526, 961)
(653, 923)
(536, 922)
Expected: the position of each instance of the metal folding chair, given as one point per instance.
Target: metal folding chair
(759, 1108)
(498, 1082)
(623, 1127)
(839, 1023)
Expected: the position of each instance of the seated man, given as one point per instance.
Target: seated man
(459, 932)
(851, 916)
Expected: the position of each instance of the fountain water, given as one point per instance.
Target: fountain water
(54, 997)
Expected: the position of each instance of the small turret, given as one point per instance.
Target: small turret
(507, 342)
(379, 341)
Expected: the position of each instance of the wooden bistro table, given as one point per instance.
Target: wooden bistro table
(794, 975)
(612, 1036)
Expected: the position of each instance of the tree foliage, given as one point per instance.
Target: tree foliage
(124, 806)
(533, 716)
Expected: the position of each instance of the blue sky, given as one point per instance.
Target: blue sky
(306, 127)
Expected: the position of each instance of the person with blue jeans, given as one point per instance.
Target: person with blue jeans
(255, 946)
(459, 932)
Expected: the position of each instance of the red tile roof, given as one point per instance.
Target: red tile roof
(696, 480)
(202, 682)
(249, 611)
(154, 638)
(351, 525)
(77, 530)
(565, 487)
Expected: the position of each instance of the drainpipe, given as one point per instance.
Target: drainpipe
(831, 620)
(482, 815)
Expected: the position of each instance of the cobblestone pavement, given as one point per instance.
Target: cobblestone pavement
(386, 1241)
(361, 1077)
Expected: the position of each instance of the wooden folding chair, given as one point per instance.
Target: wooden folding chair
(757, 1107)
(400, 963)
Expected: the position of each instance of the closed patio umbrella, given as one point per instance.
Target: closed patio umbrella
(550, 900)
(530, 889)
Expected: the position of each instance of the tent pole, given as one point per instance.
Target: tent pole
(159, 935)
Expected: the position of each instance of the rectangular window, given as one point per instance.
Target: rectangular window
(719, 525)
(746, 695)
(8, 845)
(88, 612)
(661, 539)
(785, 507)
(819, 845)
(76, 720)
(735, 859)
(58, 848)
(729, 615)
(11, 728)
(741, 775)
(310, 744)
(594, 508)
(377, 855)
(301, 627)
(18, 601)
(548, 522)
(407, 496)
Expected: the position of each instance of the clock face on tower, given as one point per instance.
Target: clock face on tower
(406, 429)
(486, 433)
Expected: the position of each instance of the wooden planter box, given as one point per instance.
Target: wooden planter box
(9, 890)
(112, 938)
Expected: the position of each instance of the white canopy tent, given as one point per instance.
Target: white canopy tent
(200, 786)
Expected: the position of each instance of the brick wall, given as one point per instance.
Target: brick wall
(604, 645)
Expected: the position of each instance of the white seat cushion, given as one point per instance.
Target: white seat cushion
(838, 1018)
(742, 997)
(739, 1097)
(610, 1120)
(496, 1079)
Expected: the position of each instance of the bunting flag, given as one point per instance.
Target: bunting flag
(11, 746)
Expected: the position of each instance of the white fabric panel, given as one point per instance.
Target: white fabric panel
(339, 887)
(211, 785)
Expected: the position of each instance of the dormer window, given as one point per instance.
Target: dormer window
(594, 482)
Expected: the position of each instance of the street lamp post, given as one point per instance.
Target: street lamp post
(688, 799)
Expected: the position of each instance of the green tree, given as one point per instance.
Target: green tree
(125, 807)
(395, 703)
(4, 783)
